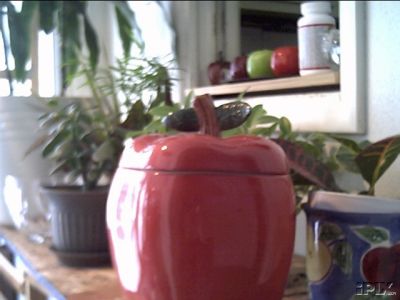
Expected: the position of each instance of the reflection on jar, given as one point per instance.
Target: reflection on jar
(331, 48)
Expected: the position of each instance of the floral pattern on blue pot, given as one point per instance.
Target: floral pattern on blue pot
(352, 256)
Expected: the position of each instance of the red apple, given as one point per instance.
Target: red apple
(382, 264)
(285, 61)
(198, 217)
(218, 71)
(238, 69)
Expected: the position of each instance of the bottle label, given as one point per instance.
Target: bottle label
(311, 56)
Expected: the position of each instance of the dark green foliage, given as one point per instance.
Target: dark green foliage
(48, 15)
(69, 18)
(85, 138)
(79, 144)
(376, 158)
(20, 24)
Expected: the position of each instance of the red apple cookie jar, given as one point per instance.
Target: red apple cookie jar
(194, 216)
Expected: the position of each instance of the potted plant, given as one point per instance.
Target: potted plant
(83, 139)
(17, 30)
(353, 239)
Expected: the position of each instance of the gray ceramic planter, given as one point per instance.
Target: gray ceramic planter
(78, 229)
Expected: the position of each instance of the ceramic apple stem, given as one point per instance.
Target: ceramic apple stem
(205, 111)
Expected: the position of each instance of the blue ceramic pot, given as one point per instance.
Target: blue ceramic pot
(353, 255)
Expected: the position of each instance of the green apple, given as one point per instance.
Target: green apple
(259, 64)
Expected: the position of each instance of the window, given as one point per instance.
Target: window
(45, 81)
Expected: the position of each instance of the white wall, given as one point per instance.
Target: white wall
(383, 82)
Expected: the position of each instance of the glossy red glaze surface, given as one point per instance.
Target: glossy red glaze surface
(285, 61)
(196, 235)
(382, 264)
(200, 152)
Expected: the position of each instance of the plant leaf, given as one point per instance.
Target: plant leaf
(346, 159)
(20, 25)
(37, 143)
(187, 101)
(285, 126)
(232, 132)
(264, 131)
(61, 166)
(373, 235)
(137, 117)
(47, 15)
(268, 119)
(346, 153)
(104, 151)
(125, 31)
(70, 35)
(155, 126)
(307, 166)
(133, 133)
(129, 16)
(376, 158)
(348, 143)
(310, 148)
(91, 42)
(240, 97)
(163, 110)
(57, 140)
(257, 112)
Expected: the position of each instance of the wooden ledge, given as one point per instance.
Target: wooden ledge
(68, 283)
(252, 86)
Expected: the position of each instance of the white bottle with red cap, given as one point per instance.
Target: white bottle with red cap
(315, 22)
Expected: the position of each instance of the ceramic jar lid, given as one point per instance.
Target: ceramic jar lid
(196, 152)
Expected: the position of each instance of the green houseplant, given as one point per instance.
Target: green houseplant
(84, 140)
(352, 239)
(316, 159)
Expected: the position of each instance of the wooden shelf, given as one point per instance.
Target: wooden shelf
(44, 271)
(60, 282)
(267, 85)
